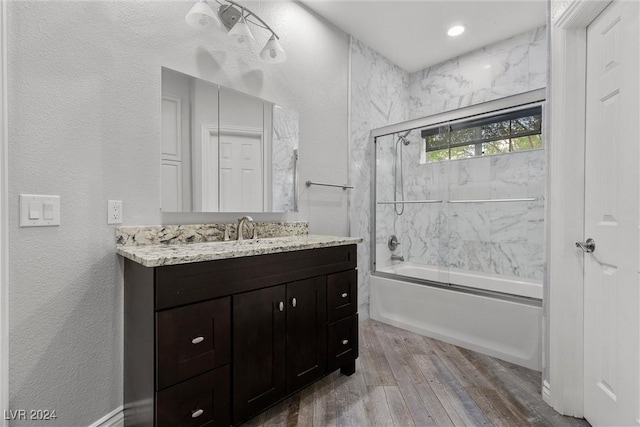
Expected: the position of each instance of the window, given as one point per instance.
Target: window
(495, 134)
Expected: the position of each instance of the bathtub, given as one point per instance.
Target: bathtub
(471, 279)
(509, 329)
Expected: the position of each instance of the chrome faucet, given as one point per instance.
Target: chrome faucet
(241, 223)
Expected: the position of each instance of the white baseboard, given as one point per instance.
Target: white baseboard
(546, 392)
(114, 418)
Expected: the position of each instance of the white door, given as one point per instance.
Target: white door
(612, 297)
(241, 173)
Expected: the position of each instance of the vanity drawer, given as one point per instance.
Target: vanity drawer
(200, 401)
(192, 340)
(342, 295)
(343, 342)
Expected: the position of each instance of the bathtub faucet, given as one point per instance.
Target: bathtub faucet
(395, 257)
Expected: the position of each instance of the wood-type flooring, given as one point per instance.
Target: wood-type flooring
(405, 379)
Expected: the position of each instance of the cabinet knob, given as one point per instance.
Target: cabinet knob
(345, 342)
(344, 295)
(196, 413)
(281, 306)
(197, 340)
(293, 302)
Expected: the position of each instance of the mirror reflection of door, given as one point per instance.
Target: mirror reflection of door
(224, 150)
(243, 141)
(241, 172)
(175, 154)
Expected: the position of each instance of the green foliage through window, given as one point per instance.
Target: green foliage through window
(496, 134)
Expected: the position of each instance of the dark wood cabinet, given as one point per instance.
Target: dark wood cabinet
(200, 401)
(192, 340)
(259, 358)
(306, 332)
(282, 344)
(214, 343)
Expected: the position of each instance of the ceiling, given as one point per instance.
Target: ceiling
(413, 34)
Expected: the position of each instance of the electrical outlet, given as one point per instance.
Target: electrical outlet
(114, 212)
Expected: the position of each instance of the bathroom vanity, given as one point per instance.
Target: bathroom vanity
(217, 332)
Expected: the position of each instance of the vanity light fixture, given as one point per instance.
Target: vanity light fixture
(456, 30)
(236, 19)
(202, 16)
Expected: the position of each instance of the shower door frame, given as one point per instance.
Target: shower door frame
(477, 110)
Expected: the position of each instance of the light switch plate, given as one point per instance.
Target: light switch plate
(32, 211)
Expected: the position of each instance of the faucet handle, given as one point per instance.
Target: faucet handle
(255, 231)
(226, 232)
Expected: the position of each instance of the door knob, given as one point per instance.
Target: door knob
(588, 246)
(281, 306)
(294, 302)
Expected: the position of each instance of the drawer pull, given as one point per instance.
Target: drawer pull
(197, 413)
(197, 340)
(345, 342)
(294, 302)
(344, 295)
(281, 306)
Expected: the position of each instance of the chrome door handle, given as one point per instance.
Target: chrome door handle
(588, 247)
(294, 302)
(281, 306)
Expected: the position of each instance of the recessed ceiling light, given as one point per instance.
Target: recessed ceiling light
(456, 30)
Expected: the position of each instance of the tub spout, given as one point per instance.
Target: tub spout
(395, 257)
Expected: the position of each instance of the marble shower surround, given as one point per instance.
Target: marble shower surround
(202, 233)
(286, 131)
(379, 96)
(383, 94)
(505, 68)
(500, 238)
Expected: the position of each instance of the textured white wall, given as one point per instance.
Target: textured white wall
(84, 123)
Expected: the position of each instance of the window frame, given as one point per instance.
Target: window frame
(478, 122)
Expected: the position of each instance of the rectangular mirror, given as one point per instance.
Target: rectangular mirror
(224, 150)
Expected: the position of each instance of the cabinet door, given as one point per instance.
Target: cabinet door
(306, 332)
(258, 350)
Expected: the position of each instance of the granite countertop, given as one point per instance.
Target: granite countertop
(172, 254)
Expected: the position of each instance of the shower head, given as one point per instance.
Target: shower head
(403, 138)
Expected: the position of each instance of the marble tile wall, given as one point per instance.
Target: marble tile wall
(506, 68)
(504, 239)
(285, 141)
(501, 238)
(379, 96)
